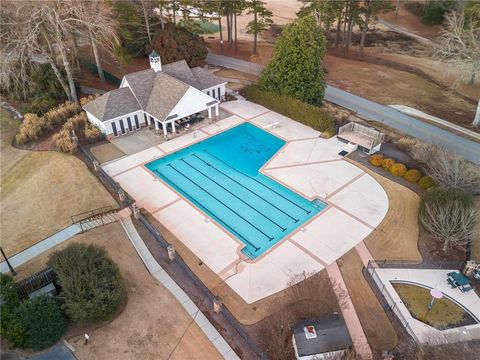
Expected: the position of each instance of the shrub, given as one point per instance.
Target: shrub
(387, 163)
(11, 328)
(63, 142)
(42, 320)
(92, 133)
(426, 182)
(435, 11)
(90, 280)
(376, 159)
(449, 215)
(398, 169)
(316, 117)
(30, 129)
(412, 175)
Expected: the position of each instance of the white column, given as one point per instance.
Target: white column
(209, 112)
(216, 110)
(164, 129)
(173, 127)
(156, 124)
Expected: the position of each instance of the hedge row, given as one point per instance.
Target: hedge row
(400, 170)
(310, 115)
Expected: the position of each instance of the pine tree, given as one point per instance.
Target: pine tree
(297, 67)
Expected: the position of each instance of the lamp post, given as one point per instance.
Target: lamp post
(8, 262)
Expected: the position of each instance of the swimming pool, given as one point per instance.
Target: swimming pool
(220, 175)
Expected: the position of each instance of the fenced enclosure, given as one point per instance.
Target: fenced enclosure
(125, 200)
(35, 282)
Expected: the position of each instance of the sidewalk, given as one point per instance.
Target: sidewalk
(161, 275)
(40, 247)
(349, 314)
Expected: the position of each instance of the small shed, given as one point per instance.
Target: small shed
(369, 140)
(320, 338)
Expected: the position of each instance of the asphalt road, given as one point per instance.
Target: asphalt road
(367, 109)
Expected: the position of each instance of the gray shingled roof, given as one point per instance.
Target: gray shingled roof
(332, 335)
(181, 71)
(113, 104)
(166, 93)
(206, 78)
(154, 92)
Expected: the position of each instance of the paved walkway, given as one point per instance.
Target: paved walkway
(374, 111)
(360, 342)
(40, 247)
(161, 275)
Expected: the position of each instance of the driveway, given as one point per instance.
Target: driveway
(470, 150)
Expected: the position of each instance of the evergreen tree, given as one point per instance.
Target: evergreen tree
(297, 67)
(261, 20)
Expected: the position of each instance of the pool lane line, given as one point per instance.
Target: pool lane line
(221, 202)
(268, 187)
(237, 182)
(223, 187)
(206, 208)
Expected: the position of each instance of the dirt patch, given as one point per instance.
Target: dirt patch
(106, 152)
(378, 329)
(153, 322)
(388, 86)
(411, 22)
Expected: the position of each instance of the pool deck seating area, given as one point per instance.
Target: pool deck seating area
(306, 164)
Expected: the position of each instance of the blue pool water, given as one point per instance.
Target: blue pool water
(220, 175)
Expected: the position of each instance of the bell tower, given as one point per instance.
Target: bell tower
(155, 62)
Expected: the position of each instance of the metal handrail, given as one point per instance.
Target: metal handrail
(91, 213)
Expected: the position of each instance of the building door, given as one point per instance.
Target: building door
(137, 124)
(129, 122)
(114, 128)
(122, 126)
(152, 121)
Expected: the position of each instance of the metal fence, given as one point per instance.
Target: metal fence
(413, 264)
(126, 200)
(35, 282)
(112, 79)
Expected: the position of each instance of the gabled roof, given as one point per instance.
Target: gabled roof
(197, 77)
(331, 335)
(206, 78)
(181, 71)
(113, 104)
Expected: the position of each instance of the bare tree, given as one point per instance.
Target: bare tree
(450, 216)
(445, 167)
(459, 47)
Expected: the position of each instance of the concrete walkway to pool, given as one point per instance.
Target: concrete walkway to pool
(161, 275)
(307, 164)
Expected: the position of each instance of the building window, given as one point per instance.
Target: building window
(114, 128)
(152, 121)
(122, 127)
(129, 122)
(137, 124)
(145, 118)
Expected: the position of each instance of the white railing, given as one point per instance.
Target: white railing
(375, 135)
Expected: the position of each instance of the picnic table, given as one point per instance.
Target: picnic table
(457, 279)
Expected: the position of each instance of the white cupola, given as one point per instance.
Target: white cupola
(155, 62)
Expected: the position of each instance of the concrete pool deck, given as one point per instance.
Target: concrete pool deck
(307, 164)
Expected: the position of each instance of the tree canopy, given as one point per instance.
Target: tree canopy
(91, 283)
(296, 70)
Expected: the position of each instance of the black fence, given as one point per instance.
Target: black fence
(126, 200)
(412, 264)
(35, 282)
(112, 79)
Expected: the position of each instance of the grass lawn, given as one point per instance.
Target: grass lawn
(40, 191)
(444, 314)
(152, 322)
(396, 238)
(379, 331)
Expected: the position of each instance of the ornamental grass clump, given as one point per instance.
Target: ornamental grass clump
(91, 283)
(426, 182)
(63, 142)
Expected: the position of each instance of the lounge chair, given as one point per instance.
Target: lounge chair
(466, 288)
(452, 284)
